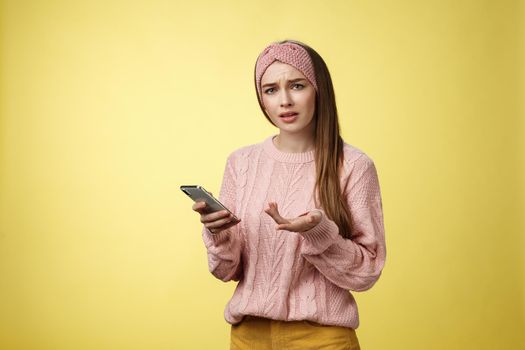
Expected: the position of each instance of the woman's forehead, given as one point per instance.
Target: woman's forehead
(279, 70)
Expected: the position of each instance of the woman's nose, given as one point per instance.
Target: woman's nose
(286, 99)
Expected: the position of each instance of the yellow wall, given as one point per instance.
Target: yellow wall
(106, 107)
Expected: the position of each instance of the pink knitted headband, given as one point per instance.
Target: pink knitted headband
(289, 53)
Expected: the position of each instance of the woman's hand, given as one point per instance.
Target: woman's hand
(217, 221)
(301, 223)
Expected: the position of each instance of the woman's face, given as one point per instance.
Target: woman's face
(288, 98)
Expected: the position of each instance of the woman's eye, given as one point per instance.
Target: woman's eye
(267, 91)
(299, 85)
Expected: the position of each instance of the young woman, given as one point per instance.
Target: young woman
(311, 222)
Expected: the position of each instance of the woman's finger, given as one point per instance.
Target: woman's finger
(222, 224)
(286, 227)
(228, 225)
(199, 207)
(205, 218)
(273, 211)
(294, 226)
(300, 224)
(218, 223)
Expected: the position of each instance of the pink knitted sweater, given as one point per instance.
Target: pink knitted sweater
(287, 275)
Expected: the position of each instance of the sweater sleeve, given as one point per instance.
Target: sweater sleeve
(224, 248)
(354, 264)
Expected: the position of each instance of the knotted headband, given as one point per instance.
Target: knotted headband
(289, 53)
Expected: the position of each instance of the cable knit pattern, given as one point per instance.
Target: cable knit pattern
(286, 275)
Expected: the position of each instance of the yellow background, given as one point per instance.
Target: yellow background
(107, 107)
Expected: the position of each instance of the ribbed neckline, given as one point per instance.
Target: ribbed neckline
(286, 157)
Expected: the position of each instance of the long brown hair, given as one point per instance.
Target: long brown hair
(328, 146)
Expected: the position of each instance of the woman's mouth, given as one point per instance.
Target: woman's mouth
(289, 117)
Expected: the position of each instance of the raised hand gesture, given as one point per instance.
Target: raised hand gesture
(301, 223)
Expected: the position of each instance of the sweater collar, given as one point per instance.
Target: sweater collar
(286, 157)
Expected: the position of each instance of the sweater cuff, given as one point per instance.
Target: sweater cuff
(217, 238)
(320, 237)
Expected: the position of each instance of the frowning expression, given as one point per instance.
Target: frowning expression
(288, 98)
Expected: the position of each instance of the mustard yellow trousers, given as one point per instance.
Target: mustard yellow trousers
(257, 333)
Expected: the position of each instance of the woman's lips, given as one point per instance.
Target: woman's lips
(289, 118)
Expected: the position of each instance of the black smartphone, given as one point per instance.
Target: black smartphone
(199, 194)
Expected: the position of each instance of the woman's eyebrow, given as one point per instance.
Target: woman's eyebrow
(291, 81)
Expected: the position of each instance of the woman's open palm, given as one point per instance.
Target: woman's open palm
(301, 223)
